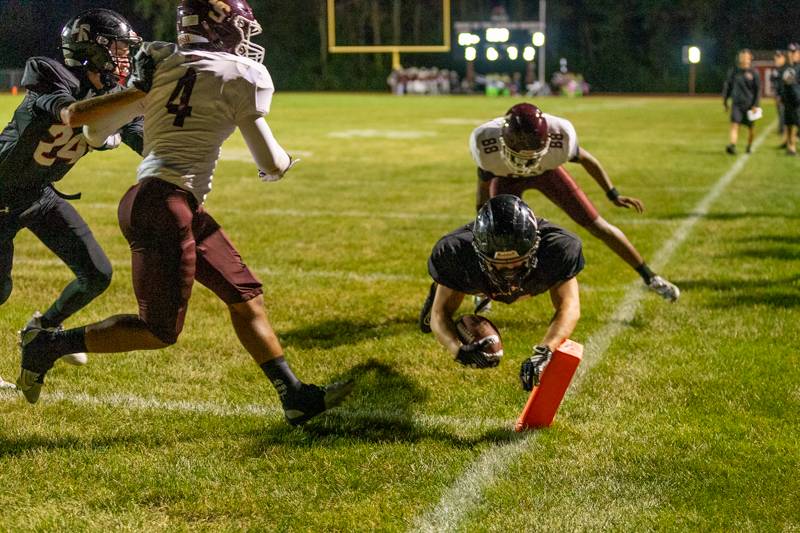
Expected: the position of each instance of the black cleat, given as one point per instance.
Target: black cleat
(425, 313)
(35, 362)
(301, 406)
(749, 149)
(731, 149)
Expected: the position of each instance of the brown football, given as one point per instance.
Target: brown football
(474, 328)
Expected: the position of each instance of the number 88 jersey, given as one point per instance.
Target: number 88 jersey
(484, 143)
(196, 102)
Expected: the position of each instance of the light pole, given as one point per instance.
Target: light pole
(691, 56)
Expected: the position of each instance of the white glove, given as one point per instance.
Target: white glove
(265, 176)
(113, 141)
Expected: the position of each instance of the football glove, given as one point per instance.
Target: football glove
(142, 72)
(533, 367)
(473, 355)
(264, 176)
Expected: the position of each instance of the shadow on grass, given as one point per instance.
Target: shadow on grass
(381, 411)
(779, 293)
(341, 332)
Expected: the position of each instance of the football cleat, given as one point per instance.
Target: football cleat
(731, 149)
(425, 313)
(301, 406)
(26, 334)
(35, 363)
(664, 288)
(6, 385)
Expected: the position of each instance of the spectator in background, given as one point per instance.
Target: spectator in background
(790, 96)
(776, 80)
(743, 88)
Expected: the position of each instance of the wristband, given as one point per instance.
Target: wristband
(612, 194)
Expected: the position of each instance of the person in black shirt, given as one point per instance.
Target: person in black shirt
(507, 254)
(776, 81)
(744, 88)
(790, 96)
(38, 149)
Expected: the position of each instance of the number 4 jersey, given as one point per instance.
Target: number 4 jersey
(36, 148)
(196, 101)
(484, 143)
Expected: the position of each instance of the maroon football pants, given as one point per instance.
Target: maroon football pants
(558, 186)
(173, 242)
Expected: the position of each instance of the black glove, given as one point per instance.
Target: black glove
(533, 367)
(473, 355)
(144, 68)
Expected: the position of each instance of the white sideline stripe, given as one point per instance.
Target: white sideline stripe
(227, 410)
(467, 492)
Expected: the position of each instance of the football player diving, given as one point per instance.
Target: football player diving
(193, 95)
(526, 149)
(39, 147)
(506, 254)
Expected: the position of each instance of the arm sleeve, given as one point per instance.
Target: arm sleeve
(52, 84)
(133, 135)
(728, 86)
(268, 155)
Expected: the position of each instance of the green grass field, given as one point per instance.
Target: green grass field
(683, 417)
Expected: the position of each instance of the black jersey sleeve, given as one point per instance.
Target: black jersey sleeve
(454, 263)
(560, 254)
(133, 135)
(52, 83)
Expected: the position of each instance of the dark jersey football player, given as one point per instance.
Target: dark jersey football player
(528, 149)
(507, 254)
(776, 81)
(743, 88)
(790, 96)
(38, 149)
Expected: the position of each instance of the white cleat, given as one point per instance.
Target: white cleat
(664, 288)
(75, 359)
(6, 385)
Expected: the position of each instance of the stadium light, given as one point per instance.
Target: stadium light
(513, 53)
(693, 55)
(497, 35)
(492, 54)
(470, 53)
(468, 39)
(529, 53)
(538, 39)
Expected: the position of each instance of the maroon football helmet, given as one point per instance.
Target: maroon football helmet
(524, 139)
(221, 25)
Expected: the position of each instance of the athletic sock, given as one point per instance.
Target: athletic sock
(645, 272)
(48, 323)
(281, 376)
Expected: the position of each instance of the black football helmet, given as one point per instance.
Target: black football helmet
(220, 25)
(524, 139)
(506, 237)
(92, 40)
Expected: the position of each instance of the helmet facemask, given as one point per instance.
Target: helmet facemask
(247, 48)
(507, 270)
(523, 162)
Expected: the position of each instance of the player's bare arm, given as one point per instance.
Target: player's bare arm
(598, 173)
(445, 304)
(567, 305)
(100, 108)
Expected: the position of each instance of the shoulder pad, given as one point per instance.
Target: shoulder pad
(255, 73)
(43, 74)
(158, 50)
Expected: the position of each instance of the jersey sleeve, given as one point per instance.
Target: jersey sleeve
(572, 141)
(53, 85)
(452, 263)
(560, 256)
(254, 90)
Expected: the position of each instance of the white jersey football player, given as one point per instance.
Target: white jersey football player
(193, 96)
(527, 149)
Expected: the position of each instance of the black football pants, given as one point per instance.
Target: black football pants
(59, 226)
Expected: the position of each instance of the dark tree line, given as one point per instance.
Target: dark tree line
(619, 45)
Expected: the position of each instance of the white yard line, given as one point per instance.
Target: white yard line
(466, 494)
(228, 410)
